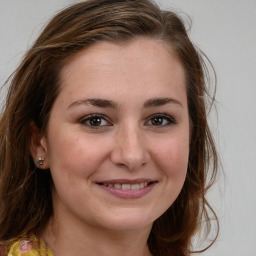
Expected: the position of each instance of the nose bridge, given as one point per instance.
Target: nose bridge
(131, 149)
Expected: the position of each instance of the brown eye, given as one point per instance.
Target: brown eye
(157, 121)
(161, 120)
(95, 121)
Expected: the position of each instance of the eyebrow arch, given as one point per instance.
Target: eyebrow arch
(101, 103)
(156, 102)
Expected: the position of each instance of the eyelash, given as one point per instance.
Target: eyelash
(89, 118)
(97, 117)
(169, 120)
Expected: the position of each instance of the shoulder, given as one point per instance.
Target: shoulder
(26, 246)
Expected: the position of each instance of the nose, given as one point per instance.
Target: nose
(130, 149)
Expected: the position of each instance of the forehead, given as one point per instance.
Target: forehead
(142, 64)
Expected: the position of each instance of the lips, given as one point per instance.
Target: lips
(127, 188)
(135, 186)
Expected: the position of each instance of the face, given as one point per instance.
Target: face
(117, 142)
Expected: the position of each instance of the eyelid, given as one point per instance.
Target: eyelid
(86, 118)
(168, 117)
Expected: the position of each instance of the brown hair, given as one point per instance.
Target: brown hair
(25, 191)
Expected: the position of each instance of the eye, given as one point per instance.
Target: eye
(160, 120)
(95, 121)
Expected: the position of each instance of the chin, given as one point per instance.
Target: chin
(130, 221)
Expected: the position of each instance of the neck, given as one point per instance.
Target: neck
(94, 241)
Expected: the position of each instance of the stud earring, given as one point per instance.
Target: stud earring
(40, 161)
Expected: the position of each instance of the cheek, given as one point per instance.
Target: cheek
(74, 155)
(172, 156)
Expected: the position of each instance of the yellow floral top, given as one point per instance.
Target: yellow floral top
(27, 247)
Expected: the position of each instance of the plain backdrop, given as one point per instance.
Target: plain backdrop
(226, 31)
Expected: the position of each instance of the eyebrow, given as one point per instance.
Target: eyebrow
(103, 103)
(156, 102)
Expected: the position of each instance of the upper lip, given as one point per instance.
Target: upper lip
(125, 181)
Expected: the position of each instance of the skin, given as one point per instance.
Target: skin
(127, 142)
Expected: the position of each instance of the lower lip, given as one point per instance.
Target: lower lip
(129, 193)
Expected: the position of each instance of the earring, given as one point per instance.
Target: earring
(40, 161)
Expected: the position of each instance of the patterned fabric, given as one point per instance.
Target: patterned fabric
(28, 247)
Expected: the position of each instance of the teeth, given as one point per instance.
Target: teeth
(135, 186)
(143, 184)
(127, 186)
(117, 186)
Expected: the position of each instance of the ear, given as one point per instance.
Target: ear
(38, 147)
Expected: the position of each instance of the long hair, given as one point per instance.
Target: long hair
(25, 191)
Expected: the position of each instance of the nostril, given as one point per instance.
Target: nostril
(130, 151)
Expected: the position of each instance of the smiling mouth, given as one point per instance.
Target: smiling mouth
(124, 186)
(127, 189)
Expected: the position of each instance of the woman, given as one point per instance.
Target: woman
(105, 146)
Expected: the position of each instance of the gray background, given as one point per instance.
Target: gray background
(226, 31)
